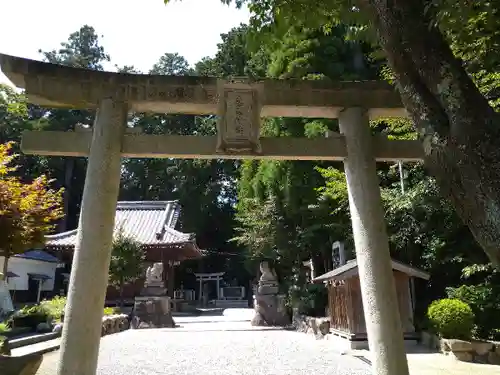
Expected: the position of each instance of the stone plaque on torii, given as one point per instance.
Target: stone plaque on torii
(238, 124)
(239, 105)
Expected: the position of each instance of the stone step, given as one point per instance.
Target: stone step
(38, 348)
(231, 303)
(33, 339)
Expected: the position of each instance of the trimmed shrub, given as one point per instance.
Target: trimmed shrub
(29, 317)
(55, 308)
(451, 318)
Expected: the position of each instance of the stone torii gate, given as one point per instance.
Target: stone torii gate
(239, 105)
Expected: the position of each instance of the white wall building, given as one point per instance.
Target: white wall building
(30, 275)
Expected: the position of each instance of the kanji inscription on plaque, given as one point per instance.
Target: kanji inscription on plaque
(239, 118)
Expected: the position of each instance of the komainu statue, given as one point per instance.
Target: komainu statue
(267, 274)
(154, 274)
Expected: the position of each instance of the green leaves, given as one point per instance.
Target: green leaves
(81, 50)
(452, 318)
(12, 102)
(127, 259)
(474, 269)
(28, 211)
(170, 64)
(259, 226)
(484, 300)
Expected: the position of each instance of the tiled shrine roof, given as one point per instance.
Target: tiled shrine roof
(152, 223)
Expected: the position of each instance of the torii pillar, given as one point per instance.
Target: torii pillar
(89, 272)
(380, 304)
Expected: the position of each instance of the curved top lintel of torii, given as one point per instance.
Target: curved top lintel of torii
(57, 86)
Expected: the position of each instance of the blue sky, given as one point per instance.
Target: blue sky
(135, 32)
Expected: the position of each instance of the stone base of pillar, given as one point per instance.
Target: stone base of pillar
(152, 312)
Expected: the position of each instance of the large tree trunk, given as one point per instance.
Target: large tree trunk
(69, 166)
(122, 288)
(459, 129)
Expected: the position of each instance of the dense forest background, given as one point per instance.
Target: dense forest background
(284, 211)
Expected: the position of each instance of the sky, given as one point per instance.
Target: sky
(134, 32)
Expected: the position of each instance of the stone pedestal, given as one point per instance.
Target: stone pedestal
(270, 310)
(269, 305)
(152, 312)
(153, 291)
(267, 288)
(153, 309)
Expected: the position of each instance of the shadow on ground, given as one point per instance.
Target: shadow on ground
(176, 329)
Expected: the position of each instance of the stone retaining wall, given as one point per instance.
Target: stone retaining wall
(319, 327)
(35, 339)
(114, 323)
(472, 351)
(468, 351)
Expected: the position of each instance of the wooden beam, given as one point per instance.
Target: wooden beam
(55, 86)
(55, 143)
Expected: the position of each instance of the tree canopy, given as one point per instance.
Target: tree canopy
(27, 210)
(127, 261)
(437, 65)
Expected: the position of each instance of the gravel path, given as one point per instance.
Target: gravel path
(225, 345)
